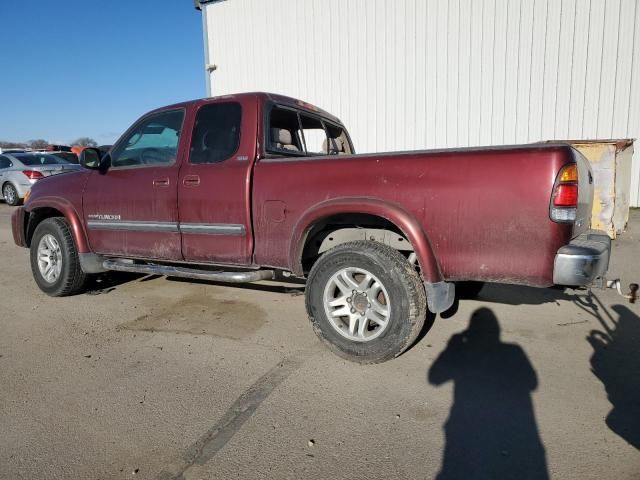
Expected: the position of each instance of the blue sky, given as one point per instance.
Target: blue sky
(89, 68)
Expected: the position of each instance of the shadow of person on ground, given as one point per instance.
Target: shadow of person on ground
(616, 363)
(491, 432)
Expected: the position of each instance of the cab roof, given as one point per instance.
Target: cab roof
(258, 96)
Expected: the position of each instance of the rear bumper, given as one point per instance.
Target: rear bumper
(17, 226)
(583, 260)
(24, 187)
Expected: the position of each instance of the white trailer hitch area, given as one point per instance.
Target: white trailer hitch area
(632, 296)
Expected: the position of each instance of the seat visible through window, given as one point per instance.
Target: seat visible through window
(283, 140)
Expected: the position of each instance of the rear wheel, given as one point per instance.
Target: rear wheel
(10, 194)
(54, 259)
(365, 301)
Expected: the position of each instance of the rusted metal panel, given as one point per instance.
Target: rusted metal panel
(611, 165)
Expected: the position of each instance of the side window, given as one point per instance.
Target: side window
(154, 141)
(284, 132)
(338, 142)
(315, 137)
(216, 135)
(5, 162)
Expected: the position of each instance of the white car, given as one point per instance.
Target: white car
(18, 171)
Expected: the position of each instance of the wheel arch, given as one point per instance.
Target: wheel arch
(385, 214)
(44, 208)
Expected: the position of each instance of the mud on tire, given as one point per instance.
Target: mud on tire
(363, 328)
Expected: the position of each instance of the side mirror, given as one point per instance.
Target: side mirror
(91, 158)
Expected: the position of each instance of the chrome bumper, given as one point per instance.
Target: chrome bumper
(583, 260)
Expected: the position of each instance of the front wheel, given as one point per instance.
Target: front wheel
(54, 259)
(365, 301)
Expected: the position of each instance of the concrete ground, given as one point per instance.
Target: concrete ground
(157, 378)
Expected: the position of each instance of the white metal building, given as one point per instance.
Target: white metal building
(412, 74)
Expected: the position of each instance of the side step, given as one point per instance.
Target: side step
(171, 271)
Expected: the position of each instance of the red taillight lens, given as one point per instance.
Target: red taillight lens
(564, 199)
(32, 174)
(566, 195)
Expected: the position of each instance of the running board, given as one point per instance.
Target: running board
(171, 271)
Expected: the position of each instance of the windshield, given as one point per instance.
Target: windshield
(34, 159)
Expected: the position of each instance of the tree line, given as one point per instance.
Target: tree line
(40, 143)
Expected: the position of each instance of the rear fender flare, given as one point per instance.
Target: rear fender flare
(395, 214)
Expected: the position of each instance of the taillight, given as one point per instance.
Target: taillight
(33, 174)
(566, 196)
(564, 200)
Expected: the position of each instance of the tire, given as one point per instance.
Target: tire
(387, 320)
(10, 194)
(53, 237)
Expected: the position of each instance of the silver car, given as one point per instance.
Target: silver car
(18, 171)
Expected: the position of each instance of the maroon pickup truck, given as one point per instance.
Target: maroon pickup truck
(245, 187)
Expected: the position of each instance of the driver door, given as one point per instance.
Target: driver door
(131, 209)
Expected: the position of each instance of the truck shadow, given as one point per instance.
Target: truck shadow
(109, 281)
(514, 294)
(508, 294)
(491, 431)
(616, 363)
(292, 287)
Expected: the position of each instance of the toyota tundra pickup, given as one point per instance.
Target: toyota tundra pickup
(245, 187)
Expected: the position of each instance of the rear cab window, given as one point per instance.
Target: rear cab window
(291, 132)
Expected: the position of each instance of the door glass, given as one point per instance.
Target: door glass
(216, 135)
(153, 141)
(315, 137)
(284, 132)
(4, 162)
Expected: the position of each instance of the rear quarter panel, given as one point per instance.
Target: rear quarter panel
(485, 211)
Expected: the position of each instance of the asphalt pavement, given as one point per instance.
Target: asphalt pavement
(156, 378)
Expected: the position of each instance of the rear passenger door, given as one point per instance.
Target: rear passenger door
(214, 187)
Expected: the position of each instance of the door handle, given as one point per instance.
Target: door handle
(161, 182)
(191, 180)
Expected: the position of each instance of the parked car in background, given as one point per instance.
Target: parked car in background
(66, 156)
(19, 171)
(12, 150)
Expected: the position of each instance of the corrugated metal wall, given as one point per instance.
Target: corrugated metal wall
(408, 74)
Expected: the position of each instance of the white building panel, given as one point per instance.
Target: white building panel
(411, 74)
